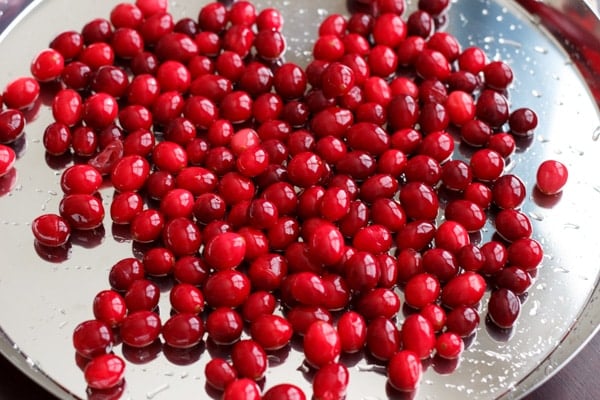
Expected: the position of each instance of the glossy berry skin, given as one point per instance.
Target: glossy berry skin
(352, 330)
(272, 332)
(284, 391)
(183, 330)
(21, 93)
(242, 389)
(321, 344)
(51, 230)
(100, 110)
(182, 236)
(421, 289)
(404, 371)
(512, 225)
(418, 335)
(147, 225)
(419, 201)
(379, 302)
(57, 139)
(12, 123)
(462, 320)
(92, 338)
(109, 307)
(509, 192)
(82, 211)
(225, 251)
(513, 278)
(526, 253)
(142, 294)
(331, 382)
(449, 345)
(249, 359)
(104, 372)
(551, 177)
(465, 289)
(219, 373)
(67, 107)
(80, 179)
(224, 325)
(140, 328)
(186, 298)
(125, 206)
(383, 338)
(227, 288)
(504, 307)
(130, 173)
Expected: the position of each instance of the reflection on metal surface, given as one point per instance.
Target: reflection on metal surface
(46, 295)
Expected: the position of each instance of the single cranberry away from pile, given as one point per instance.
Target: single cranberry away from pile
(287, 201)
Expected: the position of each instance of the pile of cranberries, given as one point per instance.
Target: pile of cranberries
(283, 201)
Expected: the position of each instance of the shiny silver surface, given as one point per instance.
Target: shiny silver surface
(42, 301)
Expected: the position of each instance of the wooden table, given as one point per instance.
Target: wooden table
(577, 380)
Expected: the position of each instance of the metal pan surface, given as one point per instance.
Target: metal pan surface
(43, 298)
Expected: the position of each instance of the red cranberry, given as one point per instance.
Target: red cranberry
(404, 371)
(142, 294)
(321, 344)
(227, 288)
(224, 325)
(284, 391)
(21, 93)
(242, 389)
(219, 373)
(504, 307)
(92, 338)
(331, 381)
(183, 331)
(51, 230)
(82, 211)
(449, 345)
(418, 335)
(104, 372)
(551, 177)
(249, 359)
(383, 338)
(140, 329)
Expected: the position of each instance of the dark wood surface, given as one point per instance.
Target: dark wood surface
(577, 380)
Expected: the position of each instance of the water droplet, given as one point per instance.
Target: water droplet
(536, 216)
(536, 93)
(371, 367)
(509, 42)
(488, 39)
(153, 393)
(62, 324)
(499, 18)
(540, 49)
(549, 369)
(571, 225)
(534, 308)
(322, 12)
(596, 133)
(561, 269)
(484, 11)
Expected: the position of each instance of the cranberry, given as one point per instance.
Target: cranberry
(109, 307)
(378, 302)
(56, 139)
(51, 230)
(551, 176)
(487, 165)
(498, 75)
(219, 373)
(418, 335)
(190, 269)
(227, 288)
(270, 331)
(83, 179)
(512, 225)
(47, 65)
(436, 315)
(82, 211)
(269, 18)
(242, 389)
(249, 359)
(224, 325)
(504, 307)
(104, 372)
(449, 345)
(462, 320)
(186, 298)
(124, 273)
(526, 253)
(147, 225)
(321, 344)
(142, 294)
(404, 370)
(522, 121)
(415, 235)
(183, 331)
(69, 44)
(383, 338)
(508, 192)
(419, 201)
(492, 108)
(472, 59)
(21, 93)
(92, 338)
(331, 381)
(12, 123)
(284, 391)
(465, 289)
(140, 329)
(421, 289)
